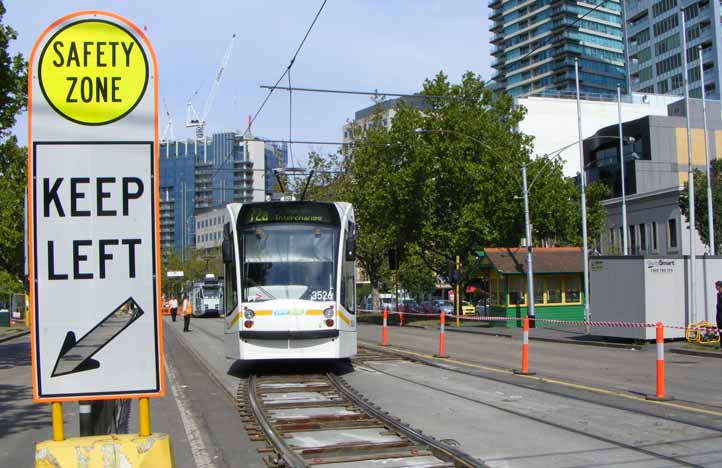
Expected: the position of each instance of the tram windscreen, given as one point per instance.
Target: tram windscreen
(289, 261)
(211, 291)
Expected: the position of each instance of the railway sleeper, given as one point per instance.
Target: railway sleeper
(358, 447)
(303, 427)
(298, 388)
(383, 456)
(305, 404)
(322, 418)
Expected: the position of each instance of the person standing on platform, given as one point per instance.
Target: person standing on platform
(187, 312)
(173, 308)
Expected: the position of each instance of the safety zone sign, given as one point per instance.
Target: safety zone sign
(93, 211)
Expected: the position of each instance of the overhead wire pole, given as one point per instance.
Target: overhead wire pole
(690, 181)
(710, 211)
(582, 179)
(621, 164)
(529, 270)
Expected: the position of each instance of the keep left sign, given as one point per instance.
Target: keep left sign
(93, 211)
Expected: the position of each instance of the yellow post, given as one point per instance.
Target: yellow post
(56, 412)
(457, 297)
(143, 417)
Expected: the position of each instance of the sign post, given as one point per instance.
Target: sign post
(92, 214)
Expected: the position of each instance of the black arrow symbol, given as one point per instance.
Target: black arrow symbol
(76, 355)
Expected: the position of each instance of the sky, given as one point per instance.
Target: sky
(366, 45)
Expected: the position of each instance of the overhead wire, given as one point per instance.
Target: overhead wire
(288, 68)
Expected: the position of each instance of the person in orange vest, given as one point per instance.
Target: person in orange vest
(187, 312)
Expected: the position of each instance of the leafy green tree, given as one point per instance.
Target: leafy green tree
(446, 179)
(13, 99)
(700, 203)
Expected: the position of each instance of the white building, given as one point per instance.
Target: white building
(209, 227)
(552, 121)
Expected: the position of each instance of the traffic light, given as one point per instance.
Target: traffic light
(393, 259)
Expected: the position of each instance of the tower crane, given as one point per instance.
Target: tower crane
(192, 117)
(168, 134)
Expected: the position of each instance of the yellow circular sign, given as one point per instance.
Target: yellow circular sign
(93, 72)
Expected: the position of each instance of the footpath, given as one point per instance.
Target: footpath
(568, 334)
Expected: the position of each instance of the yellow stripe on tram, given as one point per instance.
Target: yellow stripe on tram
(235, 319)
(344, 318)
(263, 312)
(314, 312)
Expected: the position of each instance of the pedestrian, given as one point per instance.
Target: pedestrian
(187, 311)
(173, 308)
(718, 286)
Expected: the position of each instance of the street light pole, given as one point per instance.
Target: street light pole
(585, 252)
(625, 248)
(529, 270)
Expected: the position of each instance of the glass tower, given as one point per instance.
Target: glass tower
(534, 44)
(654, 37)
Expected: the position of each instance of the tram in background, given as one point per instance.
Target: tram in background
(207, 296)
(290, 280)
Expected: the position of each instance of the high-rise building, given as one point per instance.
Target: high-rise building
(198, 176)
(654, 38)
(535, 44)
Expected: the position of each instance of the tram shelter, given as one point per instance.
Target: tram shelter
(558, 275)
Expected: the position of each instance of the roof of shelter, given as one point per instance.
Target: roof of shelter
(507, 260)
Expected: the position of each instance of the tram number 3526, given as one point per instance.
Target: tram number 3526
(322, 295)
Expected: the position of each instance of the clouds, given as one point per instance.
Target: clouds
(390, 45)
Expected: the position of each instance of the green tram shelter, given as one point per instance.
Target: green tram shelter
(558, 276)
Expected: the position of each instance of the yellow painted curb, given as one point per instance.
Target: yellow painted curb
(106, 451)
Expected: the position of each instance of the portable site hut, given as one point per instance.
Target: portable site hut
(558, 276)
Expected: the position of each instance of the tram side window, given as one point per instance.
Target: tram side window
(348, 279)
(231, 287)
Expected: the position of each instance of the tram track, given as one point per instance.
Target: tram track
(317, 419)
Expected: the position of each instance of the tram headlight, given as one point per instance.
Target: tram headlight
(328, 313)
(248, 313)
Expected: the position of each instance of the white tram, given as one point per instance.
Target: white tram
(206, 296)
(290, 281)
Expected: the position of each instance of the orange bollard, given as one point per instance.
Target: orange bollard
(660, 360)
(384, 332)
(660, 366)
(525, 350)
(442, 321)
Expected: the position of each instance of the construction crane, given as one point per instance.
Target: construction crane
(168, 134)
(192, 117)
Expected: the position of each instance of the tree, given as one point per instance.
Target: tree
(13, 99)
(446, 180)
(700, 203)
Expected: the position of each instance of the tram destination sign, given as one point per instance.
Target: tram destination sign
(92, 218)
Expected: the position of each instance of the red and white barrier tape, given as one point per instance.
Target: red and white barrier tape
(606, 323)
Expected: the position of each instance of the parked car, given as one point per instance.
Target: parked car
(437, 306)
(467, 308)
(409, 305)
(482, 307)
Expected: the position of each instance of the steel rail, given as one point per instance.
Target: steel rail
(459, 457)
(287, 454)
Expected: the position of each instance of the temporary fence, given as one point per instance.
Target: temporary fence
(702, 332)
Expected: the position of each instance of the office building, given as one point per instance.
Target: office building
(655, 171)
(534, 45)
(384, 111)
(198, 176)
(552, 121)
(209, 227)
(654, 38)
